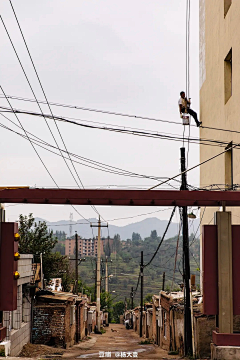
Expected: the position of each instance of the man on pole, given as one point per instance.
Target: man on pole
(184, 107)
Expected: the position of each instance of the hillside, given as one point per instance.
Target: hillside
(143, 227)
(125, 266)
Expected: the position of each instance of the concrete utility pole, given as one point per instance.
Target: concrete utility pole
(186, 266)
(95, 289)
(98, 270)
(76, 263)
(141, 303)
(98, 274)
(106, 274)
(225, 276)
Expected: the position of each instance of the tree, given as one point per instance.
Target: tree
(60, 235)
(56, 265)
(148, 298)
(107, 249)
(118, 309)
(154, 234)
(36, 239)
(106, 303)
(136, 236)
(117, 243)
(59, 248)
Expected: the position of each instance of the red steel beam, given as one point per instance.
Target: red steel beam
(121, 197)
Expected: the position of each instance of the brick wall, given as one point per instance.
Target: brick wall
(49, 325)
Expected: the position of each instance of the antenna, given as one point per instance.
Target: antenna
(70, 226)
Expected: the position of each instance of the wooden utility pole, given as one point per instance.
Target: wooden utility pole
(132, 298)
(95, 290)
(98, 271)
(106, 274)
(163, 281)
(141, 304)
(186, 266)
(76, 263)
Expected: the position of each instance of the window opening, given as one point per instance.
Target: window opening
(227, 4)
(228, 76)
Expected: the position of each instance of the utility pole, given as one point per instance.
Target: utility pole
(76, 263)
(98, 270)
(132, 298)
(96, 281)
(106, 276)
(41, 267)
(141, 303)
(163, 281)
(186, 266)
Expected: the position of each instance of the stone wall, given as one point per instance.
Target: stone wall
(18, 322)
(19, 338)
(49, 325)
(204, 326)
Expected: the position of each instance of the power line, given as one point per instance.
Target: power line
(28, 138)
(35, 70)
(160, 243)
(126, 130)
(94, 164)
(113, 113)
(195, 166)
(24, 72)
(134, 291)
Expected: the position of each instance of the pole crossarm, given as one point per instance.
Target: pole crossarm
(121, 197)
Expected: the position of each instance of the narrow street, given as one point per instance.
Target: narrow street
(116, 343)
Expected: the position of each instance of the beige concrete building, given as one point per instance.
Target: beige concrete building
(219, 95)
(86, 247)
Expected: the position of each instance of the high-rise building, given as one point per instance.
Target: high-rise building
(219, 96)
(86, 247)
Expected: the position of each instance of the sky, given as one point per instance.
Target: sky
(119, 56)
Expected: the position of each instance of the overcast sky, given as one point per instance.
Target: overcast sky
(125, 56)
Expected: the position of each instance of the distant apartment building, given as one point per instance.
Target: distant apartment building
(86, 247)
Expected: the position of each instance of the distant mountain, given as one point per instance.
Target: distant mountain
(143, 227)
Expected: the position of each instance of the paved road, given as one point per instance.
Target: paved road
(116, 343)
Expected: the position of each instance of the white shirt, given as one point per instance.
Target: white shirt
(182, 102)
